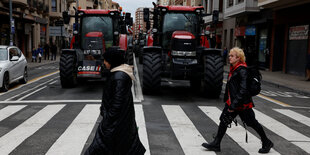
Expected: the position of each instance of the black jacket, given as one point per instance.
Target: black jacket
(237, 87)
(117, 133)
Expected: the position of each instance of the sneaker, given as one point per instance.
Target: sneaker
(266, 147)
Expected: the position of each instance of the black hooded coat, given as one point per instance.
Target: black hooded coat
(117, 133)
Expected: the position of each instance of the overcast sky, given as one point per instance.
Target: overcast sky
(132, 5)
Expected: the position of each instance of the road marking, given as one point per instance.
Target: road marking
(188, 136)
(142, 128)
(73, 139)
(294, 115)
(31, 93)
(274, 101)
(284, 131)
(53, 82)
(51, 101)
(30, 89)
(10, 110)
(139, 94)
(237, 133)
(29, 82)
(15, 137)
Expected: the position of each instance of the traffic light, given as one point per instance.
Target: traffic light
(146, 14)
(66, 17)
(215, 17)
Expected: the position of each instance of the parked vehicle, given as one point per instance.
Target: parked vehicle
(179, 49)
(13, 67)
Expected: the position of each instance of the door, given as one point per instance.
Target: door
(263, 51)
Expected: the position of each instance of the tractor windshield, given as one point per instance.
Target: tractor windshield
(178, 22)
(98, 24)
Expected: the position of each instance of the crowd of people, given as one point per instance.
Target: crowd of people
(38, 53)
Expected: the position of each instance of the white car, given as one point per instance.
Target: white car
(13, 66)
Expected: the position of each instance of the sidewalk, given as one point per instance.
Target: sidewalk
(280, 79)
(43, 62)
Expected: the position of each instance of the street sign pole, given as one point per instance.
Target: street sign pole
(11, 24)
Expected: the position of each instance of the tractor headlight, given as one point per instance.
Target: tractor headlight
(183, 53)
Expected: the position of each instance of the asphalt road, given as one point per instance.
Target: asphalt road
(42, 118)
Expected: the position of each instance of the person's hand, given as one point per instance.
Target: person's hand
(230, 110)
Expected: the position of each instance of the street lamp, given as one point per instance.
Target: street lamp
(12, 28)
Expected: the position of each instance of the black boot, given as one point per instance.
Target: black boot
(267, 145)
(213, 146)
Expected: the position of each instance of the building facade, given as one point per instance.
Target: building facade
(31, 19)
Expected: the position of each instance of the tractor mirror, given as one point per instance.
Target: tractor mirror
(66, 17)
(146, 14)
(127, 18)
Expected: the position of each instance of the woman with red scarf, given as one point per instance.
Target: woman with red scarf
(238, 102)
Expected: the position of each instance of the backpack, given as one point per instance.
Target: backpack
(254, 80)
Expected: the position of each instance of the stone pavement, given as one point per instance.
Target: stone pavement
(279, 79)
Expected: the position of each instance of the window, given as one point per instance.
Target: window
(54, 5)
(13, 52)
(230, 3)
(240, 1)
(3, 54)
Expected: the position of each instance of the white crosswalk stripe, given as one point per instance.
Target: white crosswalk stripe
(15, 137)
(9, 110)
(237, 133)
(284, 131)
(188, 136)
(142, 128)
(74, 138)
(294, 115)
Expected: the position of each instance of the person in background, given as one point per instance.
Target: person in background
(117, 133)
(34, 55)
(46, 51)
(54, 51)
(238, 102)
(40, 53)
(308, 67)
(225, 52)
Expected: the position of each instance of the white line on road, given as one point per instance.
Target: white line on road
(53, 82)
(142, 128)
(15, 137)
(237, 133)
(139, 94)
(294, 115)
(284, 131)
(30, 89)
(10, 110)
(73, 139)
(188, 136)
(51, 101)
(31, 93)
(30, 82)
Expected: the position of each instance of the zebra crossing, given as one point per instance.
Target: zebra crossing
(74, 138)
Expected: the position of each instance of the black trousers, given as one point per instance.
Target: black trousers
(248, 117)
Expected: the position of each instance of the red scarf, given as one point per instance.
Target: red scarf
(231, 71)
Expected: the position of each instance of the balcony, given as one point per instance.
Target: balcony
(247, 6)
(280, 3)
(208, 19)
(18, 3)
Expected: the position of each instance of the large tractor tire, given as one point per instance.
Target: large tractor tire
(68, 73)
(213, 75)
(130, 57)
(141, 55)
(151, 72)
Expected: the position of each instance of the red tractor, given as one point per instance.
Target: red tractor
(95, 31)
(179, 49)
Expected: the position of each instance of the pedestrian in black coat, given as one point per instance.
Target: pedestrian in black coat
(117, 133)
(238, 102)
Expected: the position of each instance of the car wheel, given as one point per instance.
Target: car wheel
(25, 77)
(6, 82)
